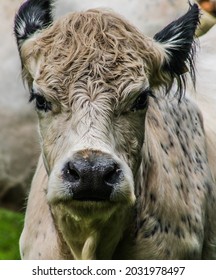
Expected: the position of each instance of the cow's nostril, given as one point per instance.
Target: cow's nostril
(93, 178)
(112, 176)
(71, 174)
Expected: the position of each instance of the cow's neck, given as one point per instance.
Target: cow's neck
(92, 238)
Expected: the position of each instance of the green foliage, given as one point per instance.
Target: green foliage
(11, 224)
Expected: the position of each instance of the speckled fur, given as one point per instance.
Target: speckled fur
(162, 150)
(176, 194)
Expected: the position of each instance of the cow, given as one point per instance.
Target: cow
(125, 169)
(148, 16)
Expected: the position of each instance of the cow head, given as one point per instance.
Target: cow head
(90, 77)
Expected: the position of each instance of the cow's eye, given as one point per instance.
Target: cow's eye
(142, 100)
(40, 102)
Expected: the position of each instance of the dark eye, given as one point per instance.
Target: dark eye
(142, 100)
(40, 102)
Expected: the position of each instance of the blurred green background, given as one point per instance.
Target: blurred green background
(11, 224)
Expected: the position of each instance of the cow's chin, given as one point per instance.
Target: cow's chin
(91, 229)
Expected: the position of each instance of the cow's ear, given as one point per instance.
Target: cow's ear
(32, 16)
(178, 42)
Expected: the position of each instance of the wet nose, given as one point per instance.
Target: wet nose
(93, 177)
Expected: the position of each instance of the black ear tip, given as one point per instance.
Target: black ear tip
(32, 15)
(178, 39)
(194, 6)
(195, 11)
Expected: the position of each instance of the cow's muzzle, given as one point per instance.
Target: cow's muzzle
(92, 176)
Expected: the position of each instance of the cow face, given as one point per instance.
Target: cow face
(90, 76)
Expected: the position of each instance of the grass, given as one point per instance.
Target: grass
(11, 224)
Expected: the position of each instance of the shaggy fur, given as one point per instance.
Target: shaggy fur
(97, 41)
(96, 72)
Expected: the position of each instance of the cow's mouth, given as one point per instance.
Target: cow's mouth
(93, 198)
(89, 194)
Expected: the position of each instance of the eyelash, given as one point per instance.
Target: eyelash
(142, 100)
(41, 103)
